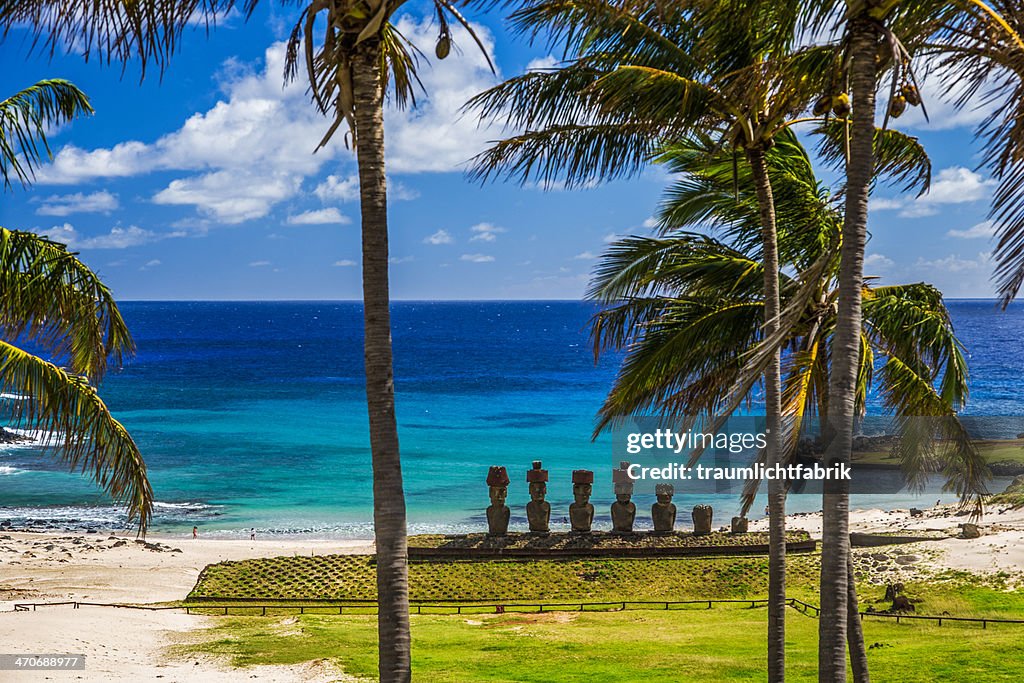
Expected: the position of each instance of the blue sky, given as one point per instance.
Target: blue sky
(203, 184)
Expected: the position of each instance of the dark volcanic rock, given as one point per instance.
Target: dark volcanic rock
(7, 436)
(1007, 468)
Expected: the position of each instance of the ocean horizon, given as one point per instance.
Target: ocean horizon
(251, 414)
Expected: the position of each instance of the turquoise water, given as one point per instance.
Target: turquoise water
(252, 415)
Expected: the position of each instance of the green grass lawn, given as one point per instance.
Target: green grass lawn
(1011, 450)
(721, 644)
(725, 643)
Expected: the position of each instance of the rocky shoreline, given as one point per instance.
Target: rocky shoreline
(9, 437)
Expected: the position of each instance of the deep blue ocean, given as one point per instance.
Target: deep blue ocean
(252, 414)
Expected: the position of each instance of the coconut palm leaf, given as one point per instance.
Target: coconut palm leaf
(900, 159)
(24, 120)
(78, 426)
(52, 299)
(113, 30)
(667, 295)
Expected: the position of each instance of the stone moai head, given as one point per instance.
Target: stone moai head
(582, 486)
(497, 482)
(664, 492)
(623, 482)
(537, 478)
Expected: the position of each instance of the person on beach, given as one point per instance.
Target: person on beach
(195, 532)
(252, 534)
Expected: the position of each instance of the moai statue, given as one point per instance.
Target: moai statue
(498, 513)
(581, 512)
(739, 525)
(538, 510)
(623, 510)
(663, 513)
(702, 520)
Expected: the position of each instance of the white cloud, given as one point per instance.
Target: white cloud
(151, 264)
(345, 263)
(953, 185)
(395, 260)
(650, 223)
(611, 237)
(877, 261)
(437, 135)
(117, 238)
(542, 63)
(939, 91)
(476, 258)
(337, 188)
(229, 197)
(259, 264)
(346, 189)
(254, 147)
(326, 216)
(887, 203)
(585, 256)
(73, 165)
(485, 232)
(439, 237)
(79, 202)
(954, 263)
(399, 192)
(984, 229)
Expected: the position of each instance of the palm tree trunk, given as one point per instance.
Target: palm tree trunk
(388, 497)
(773, 423)
(835, 542)
(855, 630)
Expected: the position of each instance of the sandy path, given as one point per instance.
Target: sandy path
(123, 644)
(999, 549)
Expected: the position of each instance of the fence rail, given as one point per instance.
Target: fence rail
(469, 607)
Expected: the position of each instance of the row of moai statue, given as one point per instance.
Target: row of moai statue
(581, 511)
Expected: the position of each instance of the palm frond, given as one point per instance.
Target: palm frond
(113, 30)
(900, 159)
(24, 120)
(50, 297)
(79, 427)
(575, 155)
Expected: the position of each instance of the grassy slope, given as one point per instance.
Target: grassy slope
(722, 644)
(352, 577)
(992, 451)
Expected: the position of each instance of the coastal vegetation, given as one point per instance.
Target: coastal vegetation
(705, 319)
(721, 644)
(53, 305)
(351, 57)
(637, 78)
(349, 577)
(685, 307)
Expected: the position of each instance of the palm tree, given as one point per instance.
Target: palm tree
(349, 72)
(987, 56)
(688, 309)
(359, 54)
(640, 72)
(24, 118)
(878, 36)
(50, 299)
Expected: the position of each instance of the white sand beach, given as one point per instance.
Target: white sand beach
(132, 645)
(1000, 548)
(124, 644)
